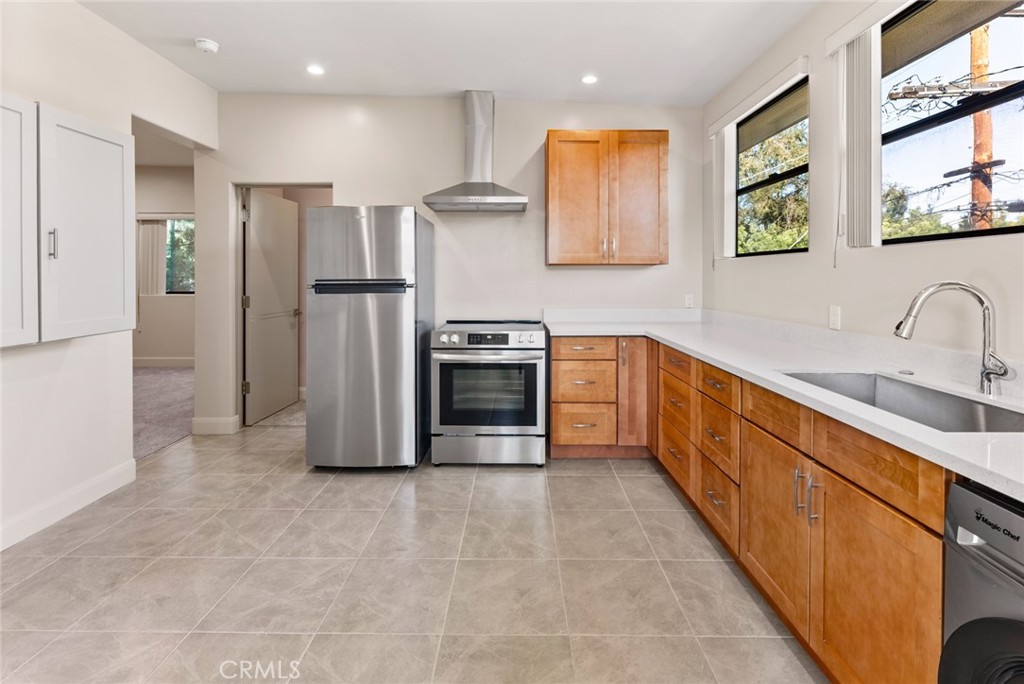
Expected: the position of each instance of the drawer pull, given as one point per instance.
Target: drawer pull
(584, 425)
(714, 383)
(716, 437)
(676, 362)
(675, 402)
(579, 348)
(714, 499)
(675, 454)
(584, 382)
(796, 490)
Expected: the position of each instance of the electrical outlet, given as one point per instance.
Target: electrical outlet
(834, 317)
(689, 301)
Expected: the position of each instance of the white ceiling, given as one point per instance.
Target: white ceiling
(676, 53)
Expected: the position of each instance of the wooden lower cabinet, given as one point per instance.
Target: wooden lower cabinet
(632, 394)
(876, 587)
(774, 532)
(719, 499)
(679, 457)
(589, 424)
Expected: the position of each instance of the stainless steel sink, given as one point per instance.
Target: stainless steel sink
(942, 411)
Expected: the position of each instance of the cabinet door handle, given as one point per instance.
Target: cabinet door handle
(711, 433)
(604, 248)
(714, 499)
(675, 402)
(676, 362)
(796, 491)
(615, 244)
(811, 516)
(584, 425)
(578, 348)
(674, 454)
(53, 244)
(714, 383)
(622, 355)
(584, 382)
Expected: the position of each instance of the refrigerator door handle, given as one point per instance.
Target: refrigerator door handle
(359, 287)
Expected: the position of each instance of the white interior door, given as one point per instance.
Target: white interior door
(271, 319)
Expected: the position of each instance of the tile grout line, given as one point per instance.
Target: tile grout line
(455, 573)
(561, 585)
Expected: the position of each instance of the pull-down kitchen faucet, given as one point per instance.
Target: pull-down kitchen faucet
(991, 365)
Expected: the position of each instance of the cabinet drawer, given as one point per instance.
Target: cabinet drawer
(583, 348)
(718, 436)
(583, 381)
(782, 417)
(719, 499)
(905, 481)
(679, 457)
(676, 403)
(681, 365)
(721, 386)
(583, 423)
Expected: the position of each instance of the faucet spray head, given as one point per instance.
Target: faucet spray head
(905, 328)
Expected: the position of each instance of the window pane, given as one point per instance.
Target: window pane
(773, 218)
(181, 255)
(918, 198)
(780, 153)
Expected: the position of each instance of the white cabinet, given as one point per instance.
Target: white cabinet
(86, 227)
(19, 226)
(70, 271)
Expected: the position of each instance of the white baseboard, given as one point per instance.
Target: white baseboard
(164, 362)
(57, 507)
(302, 394)
(216, 426)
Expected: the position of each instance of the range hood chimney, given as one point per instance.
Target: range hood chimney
(478, 192)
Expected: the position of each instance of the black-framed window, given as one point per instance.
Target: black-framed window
(952, 121)
(181, 256)
(772, 174)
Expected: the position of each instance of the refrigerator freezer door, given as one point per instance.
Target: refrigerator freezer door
(361, 379)
(361, 243)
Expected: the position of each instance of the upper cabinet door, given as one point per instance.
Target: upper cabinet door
(86, 227)
(577, 197)
(638, 197)
(19, 243)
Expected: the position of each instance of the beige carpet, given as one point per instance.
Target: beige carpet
(162, 407)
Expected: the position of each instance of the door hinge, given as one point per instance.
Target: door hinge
(245, 213)
(246, 387)
(246, 301)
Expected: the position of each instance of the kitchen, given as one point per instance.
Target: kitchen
(492, 268)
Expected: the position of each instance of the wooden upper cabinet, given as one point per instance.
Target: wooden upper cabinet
(607, 197)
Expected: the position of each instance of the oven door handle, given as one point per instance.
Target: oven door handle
(508, 357)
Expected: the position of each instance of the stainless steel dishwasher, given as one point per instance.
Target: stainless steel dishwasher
(983, 623)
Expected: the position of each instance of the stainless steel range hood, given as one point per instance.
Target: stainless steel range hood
(478, 192)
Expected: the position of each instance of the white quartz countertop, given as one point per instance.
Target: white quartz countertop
(993, 459)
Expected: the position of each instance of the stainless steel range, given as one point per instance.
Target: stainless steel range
(489, 383)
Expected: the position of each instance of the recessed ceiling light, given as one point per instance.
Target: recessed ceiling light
(315, 69)
(589, 79)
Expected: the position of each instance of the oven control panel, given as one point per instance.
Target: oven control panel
(488, 339)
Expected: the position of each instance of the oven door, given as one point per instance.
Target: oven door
(488, 392)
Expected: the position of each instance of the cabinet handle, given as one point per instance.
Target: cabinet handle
(811, 517)
(676, 362)
(615, 244)
(584, 382)
(53, 244)
(675, 402)
(584, 425)
(674, 453)
(714, 383)
(604, 248)
(716, 437)
(622, 356)
(796, 491)
(714, 499)
(577, 348)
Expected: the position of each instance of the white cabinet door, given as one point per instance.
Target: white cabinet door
(86, 227)
(19, 228)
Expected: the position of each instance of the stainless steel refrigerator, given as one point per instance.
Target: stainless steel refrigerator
(369, 313)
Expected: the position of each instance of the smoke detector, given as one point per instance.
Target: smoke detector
(207, 45)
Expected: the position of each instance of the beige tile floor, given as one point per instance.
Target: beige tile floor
(228, 559)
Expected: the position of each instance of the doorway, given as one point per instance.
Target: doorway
(273, 301)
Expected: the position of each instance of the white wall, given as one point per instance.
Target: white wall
(395, 150)
(873, 286)
(164, 190)
(66, 407)
(165, 335)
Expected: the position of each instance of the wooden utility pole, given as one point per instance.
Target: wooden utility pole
(981, 174)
